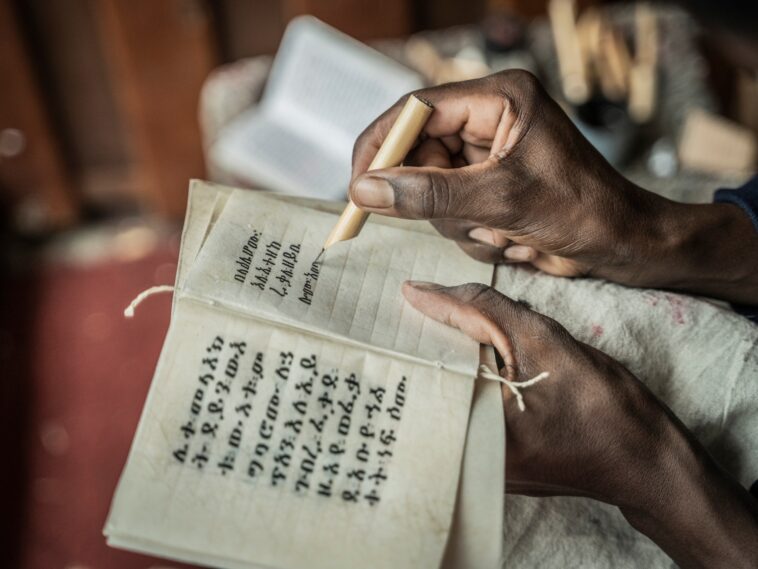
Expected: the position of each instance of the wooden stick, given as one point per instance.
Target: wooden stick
(404, 132)
(643, 79)
(423, 56)
(646, 34)
(642, 91)
(572, 66)
(589, 28)
(616, 63)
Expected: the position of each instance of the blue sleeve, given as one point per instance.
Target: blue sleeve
(745, 197)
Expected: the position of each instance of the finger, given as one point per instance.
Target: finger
(459, 161)
(469, 193)
(474, 154)
(481, 252)
(472, 309)
(431, 152)
(455, 229)
(472, 110)
(484, 112)
(368, 142)
(492, 112)
(520, 253)
(453, 143)
(481, 243)
(487, 236)
(559, 266)
(452, 122)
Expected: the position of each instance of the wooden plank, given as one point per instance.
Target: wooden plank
(33, 174)
(361, 20)
(236, 18)
(160, 53)
(439, 14)
(67, 42)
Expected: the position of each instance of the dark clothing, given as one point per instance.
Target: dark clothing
(745, 197)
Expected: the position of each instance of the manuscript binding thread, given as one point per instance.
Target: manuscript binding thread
(514, 386)
(129, 310)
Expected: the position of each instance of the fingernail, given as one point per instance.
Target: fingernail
(424, 285)
(519, 253)
(374, 192)
(482, 235)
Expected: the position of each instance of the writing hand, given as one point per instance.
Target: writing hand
(502, 170)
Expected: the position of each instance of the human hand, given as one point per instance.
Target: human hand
(593, 429)
(584, 425)
(502, 170)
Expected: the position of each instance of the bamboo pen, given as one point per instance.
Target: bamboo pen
(404, 132)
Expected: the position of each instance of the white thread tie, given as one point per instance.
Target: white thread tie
(129, 311)
(514, 386)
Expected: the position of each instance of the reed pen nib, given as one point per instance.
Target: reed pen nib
(318, 258)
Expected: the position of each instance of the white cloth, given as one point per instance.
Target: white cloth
(699, 358)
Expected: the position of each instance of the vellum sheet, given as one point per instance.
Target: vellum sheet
(280, 433)
(259, 257)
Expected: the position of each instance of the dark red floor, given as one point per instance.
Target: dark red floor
(75, 374)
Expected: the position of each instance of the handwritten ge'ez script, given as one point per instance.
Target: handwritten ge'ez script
(273, 267)
(322, 432)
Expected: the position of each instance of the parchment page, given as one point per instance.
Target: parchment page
(262, 446)
(476, 534)
(477, 528)
(258, 259)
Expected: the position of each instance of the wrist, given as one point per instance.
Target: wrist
(671, 490)
(696, 513)
(709, 249)
(712, 249)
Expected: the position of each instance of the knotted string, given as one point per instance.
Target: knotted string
(514, 386)
(129, 311)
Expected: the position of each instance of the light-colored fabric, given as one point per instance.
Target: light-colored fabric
(700, 358)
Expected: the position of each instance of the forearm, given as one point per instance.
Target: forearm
(698, 514)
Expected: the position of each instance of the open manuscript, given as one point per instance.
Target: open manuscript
(306, 416)
(323, 89)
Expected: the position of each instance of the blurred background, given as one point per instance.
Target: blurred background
(109, 107)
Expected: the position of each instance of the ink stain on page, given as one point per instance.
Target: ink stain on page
(318, 257)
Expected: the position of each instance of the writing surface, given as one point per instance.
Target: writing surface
(179, 511)
(198, 480)
(259, 257)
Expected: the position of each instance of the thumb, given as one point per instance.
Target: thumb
(427, 192)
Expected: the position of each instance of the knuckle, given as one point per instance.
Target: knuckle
(454, 229)
(362, 142)
(479, 295)
(438, 197)
(482, 253)
(379, 126)
(552, 327)
(424, 94)
(519, 80)
(471, 291)
(524, 94)
(550, 330)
